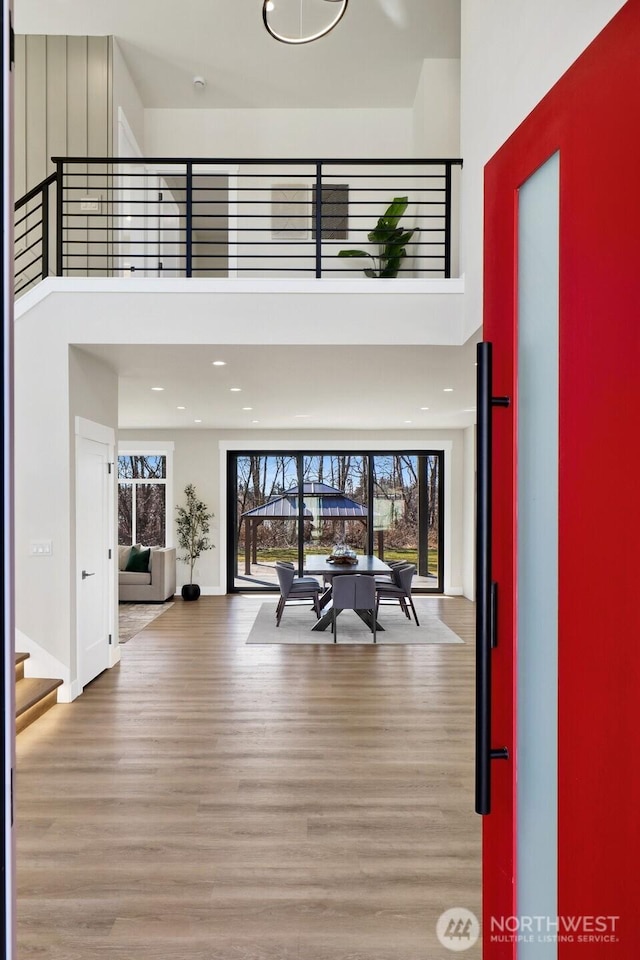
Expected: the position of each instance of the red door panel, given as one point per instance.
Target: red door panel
(591, 117)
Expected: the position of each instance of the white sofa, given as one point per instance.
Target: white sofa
(156, 585)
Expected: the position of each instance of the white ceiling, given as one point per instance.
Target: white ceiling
(367, 61)
(293, 387)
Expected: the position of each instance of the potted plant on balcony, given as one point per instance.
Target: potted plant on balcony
(392, 242)
(192, 523)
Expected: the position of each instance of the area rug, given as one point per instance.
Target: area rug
(297, 621)
(134, 617)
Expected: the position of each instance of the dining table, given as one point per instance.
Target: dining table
(321, 565)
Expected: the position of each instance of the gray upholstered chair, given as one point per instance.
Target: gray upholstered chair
(399, 589)
(353, 592)
(295, 588)
(388, 577)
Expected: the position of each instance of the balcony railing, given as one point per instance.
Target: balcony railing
(107, 217)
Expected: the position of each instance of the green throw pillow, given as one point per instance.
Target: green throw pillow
(138, 561)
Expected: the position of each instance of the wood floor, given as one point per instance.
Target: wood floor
(209, 800)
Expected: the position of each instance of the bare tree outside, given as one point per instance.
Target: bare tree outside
(398, 503)
(405, 521)
(142, 508)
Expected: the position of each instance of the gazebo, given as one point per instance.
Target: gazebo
(333, 504)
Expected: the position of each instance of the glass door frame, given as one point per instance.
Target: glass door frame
(299, 455)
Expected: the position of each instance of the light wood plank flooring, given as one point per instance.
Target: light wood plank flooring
(209, 800)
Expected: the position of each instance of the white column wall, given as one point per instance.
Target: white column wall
(436, 109)
(53, 385)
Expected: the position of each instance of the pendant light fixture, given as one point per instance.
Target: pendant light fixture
(268, 6)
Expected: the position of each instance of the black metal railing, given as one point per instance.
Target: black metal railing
(32, 236)
(234, 218)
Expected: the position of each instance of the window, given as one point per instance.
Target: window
(142, 499)
(289, 503)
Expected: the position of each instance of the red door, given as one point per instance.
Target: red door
(588, 123)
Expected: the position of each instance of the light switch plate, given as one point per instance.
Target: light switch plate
(90, 204)
(41, 548)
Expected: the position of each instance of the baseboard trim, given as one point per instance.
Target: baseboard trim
(206, 592)
(69, 692)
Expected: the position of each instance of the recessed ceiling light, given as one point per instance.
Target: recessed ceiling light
(424, 408)
(255, 421)
(235, 389)
(447, 390)
(197, 421)
(181, 408)
(219, 363)
(247, 408)
(469, 410)
(408, 421)
(159, 389)
(301, 416)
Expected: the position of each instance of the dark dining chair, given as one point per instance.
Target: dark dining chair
(295, 588)
(353, 592)
(399, 589)
(388, 577)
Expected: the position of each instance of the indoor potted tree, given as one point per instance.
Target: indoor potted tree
(192, 522)
(392, 241)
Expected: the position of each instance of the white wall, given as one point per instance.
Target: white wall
(512, 53)
(278, 133)
(436, 131)
(197, 460)
(436, 109)
(431, 127)
(126, 98)
(53, 385)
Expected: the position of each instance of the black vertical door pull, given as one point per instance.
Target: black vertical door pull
(486, 591)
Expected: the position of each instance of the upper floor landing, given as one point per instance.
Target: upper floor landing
(317, 246)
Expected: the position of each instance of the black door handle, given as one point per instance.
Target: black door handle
(486, 590)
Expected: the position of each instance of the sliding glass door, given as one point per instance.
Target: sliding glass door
(285, 505)
(406, 512)
(335, 494)
(266, 521)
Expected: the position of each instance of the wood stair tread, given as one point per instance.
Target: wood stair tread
(21, 657)
(30, 691)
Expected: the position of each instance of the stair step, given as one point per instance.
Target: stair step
(34, 696)
(20, 660)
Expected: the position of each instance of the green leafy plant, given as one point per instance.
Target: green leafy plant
(392, 241)
(192, 523)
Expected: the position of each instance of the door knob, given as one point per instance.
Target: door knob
(85, 574)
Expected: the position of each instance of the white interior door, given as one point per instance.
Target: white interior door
(93, 516)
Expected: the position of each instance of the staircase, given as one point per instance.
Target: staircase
(33, 696)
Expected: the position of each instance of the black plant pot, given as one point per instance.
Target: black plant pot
(190, 591)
